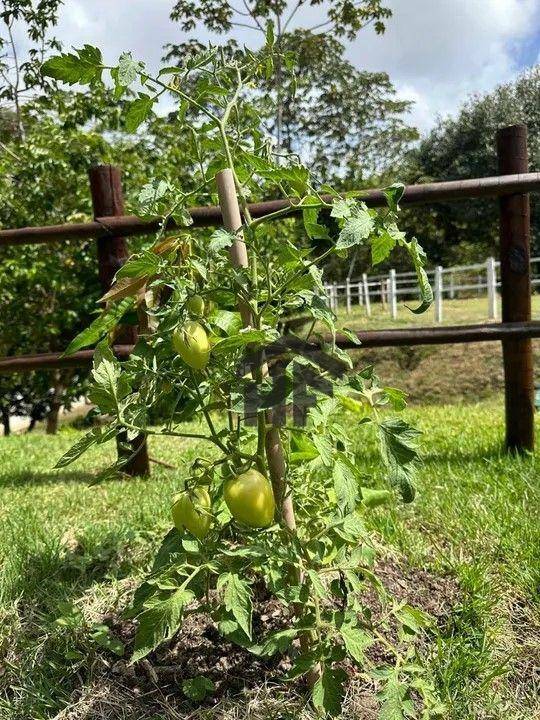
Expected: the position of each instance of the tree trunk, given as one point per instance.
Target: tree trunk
(5, 421)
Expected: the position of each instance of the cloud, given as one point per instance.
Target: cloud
(437, 52)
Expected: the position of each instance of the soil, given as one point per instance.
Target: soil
(198, 649)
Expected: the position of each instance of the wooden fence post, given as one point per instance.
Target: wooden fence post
(367, 299)
(112, 252)
(392, 294)
(491, 274)
(438, 292)
(516, 291)
(335, 297)
(348, 295)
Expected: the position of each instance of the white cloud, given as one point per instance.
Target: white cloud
(437, 52)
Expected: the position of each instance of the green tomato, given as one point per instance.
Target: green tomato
(250, 499)
(195, 305)
(191, 510)
(191, 343)
(373, 498)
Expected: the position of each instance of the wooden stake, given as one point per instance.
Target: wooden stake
(232, 221)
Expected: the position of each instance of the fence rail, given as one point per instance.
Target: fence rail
(511, 186)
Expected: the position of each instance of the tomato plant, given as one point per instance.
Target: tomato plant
(277, 500)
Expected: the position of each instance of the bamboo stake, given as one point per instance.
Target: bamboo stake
(275, 457)
(232, 221)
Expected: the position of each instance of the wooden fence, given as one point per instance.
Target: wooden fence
(511, 187)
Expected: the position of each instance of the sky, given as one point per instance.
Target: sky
(437, 52)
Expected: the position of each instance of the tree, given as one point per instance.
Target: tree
(344, 122)
(20, 75)
(464, 147)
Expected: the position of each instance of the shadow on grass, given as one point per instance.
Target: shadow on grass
(22, 478)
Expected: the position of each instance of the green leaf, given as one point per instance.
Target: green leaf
(128, 69)
(412, 619)
(147, 263)
(310, 216)
(302, 448)
(393, 195)
(270, 38)
(159, 622)
(356, 641)
(103, 637)
(381, 247)
(100, 326)
(325, 449)
(396, 397)
(243, 338)
(418, 257)
(138, 111)
(84, 67)
(237, 599)
(394, 699)
(279, 641)
(351, 335)
(342, 208)
(150, 195)
(111, 385)
(356, 229)
(229, 322)
(372, 498)
(317, 584)
(328, 691)
(96, 435)
(345, 484)
(318, 309)
(198, 688)
(399, 450)
(399, 440)
(219, 240)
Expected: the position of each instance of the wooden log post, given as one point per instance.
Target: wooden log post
(348, 295)
(112, 252)
(516, 292)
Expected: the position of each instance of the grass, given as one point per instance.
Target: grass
(438, 373)
(455, 312)
(71, 555)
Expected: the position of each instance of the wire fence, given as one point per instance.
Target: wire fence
(450, 283)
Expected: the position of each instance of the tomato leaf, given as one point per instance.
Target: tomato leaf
(328, 691)
(85, 66)
(159, 622)
(237, 599)
(108, 319)
(138, 111)
(356, 641)
(356, 229)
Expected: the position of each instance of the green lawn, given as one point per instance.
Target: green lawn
(468, 549)
(455, 312)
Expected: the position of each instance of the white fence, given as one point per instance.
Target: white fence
(477, 280)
